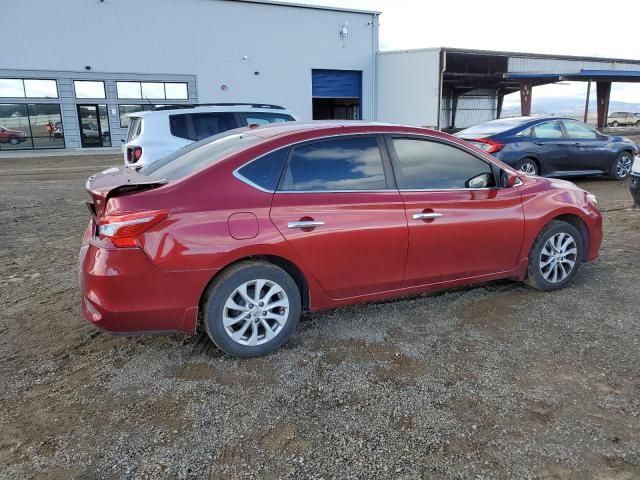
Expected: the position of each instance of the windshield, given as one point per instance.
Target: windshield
(199, 155)
(490, 128)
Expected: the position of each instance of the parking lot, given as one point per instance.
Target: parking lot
(494, 381)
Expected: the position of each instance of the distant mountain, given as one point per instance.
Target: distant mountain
(568, 106)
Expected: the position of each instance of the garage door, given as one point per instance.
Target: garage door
(337, 83)
(336, 94)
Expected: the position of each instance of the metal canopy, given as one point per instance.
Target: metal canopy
(581, 76)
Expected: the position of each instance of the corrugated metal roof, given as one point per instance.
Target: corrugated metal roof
(543, 56)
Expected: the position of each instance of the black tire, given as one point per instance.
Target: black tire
(528, 166)
(621, 166)
(535, 276)
(14, 140)
(638, 123)
(223, 287)
(614, 124)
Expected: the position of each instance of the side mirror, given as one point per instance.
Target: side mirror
(512, 179)
(482, 180)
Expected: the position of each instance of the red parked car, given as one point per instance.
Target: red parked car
(242, 231)
(13, 137)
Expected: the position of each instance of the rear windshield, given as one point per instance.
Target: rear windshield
(490, 128)
(135, 126)
(199, 155)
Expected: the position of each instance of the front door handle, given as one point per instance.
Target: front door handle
(305, 224)
(426, 215)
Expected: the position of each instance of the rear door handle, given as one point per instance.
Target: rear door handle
(426, 215)
(305, 224)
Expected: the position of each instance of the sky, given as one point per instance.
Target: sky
(570, 27)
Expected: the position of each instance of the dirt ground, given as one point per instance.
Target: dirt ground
(495, 381)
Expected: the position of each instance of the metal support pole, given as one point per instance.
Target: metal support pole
(603, 92)
(500, 103)
(454, 108)
(443, 68)
(526, 87)
(586, 104)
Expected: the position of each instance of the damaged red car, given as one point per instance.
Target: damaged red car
(241, 232)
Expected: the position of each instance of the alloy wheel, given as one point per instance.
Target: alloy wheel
(558, 257)
(255, 312)
(528, 168)
(623, 165)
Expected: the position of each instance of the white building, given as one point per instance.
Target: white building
(71, 70)
(61, 71)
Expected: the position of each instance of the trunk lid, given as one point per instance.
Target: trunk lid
(116, 181)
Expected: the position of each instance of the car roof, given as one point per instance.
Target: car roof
(167, 110)
(332, 127)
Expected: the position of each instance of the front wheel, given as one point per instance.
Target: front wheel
(555, 257)
(528, 167)
(14, 140)
(614, 124)
(251, 309)
(621, 167)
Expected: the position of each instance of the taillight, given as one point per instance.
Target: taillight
(124, 230)
(134, 154)
(489, 146)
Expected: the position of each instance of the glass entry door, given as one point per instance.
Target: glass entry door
(93, 121)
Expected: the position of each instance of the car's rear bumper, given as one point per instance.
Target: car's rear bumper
(123, 292)
(634, 188)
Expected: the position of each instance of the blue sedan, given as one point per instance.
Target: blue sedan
(554, 147)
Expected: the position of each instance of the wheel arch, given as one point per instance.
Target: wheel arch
(579, 224)
(285, 264)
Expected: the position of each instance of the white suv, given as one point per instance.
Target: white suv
(156, 133)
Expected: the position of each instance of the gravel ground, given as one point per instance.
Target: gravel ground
(495, 381)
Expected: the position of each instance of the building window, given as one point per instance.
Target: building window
(176, 91)
(30, 126)
(152, 90)
(128, 90)
(89, 89)
(40, 88)
(29, 88)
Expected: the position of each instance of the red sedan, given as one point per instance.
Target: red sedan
(242, 231)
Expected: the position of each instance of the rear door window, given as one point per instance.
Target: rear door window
(335, 165)
(198, 126)
(579, 130)
(210, 124)
(547, 130)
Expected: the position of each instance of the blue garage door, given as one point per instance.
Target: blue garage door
(336, 83)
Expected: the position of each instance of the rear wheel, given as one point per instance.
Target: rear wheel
(621, 167)
(528, 166)
(251, 309)
(555, 257)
